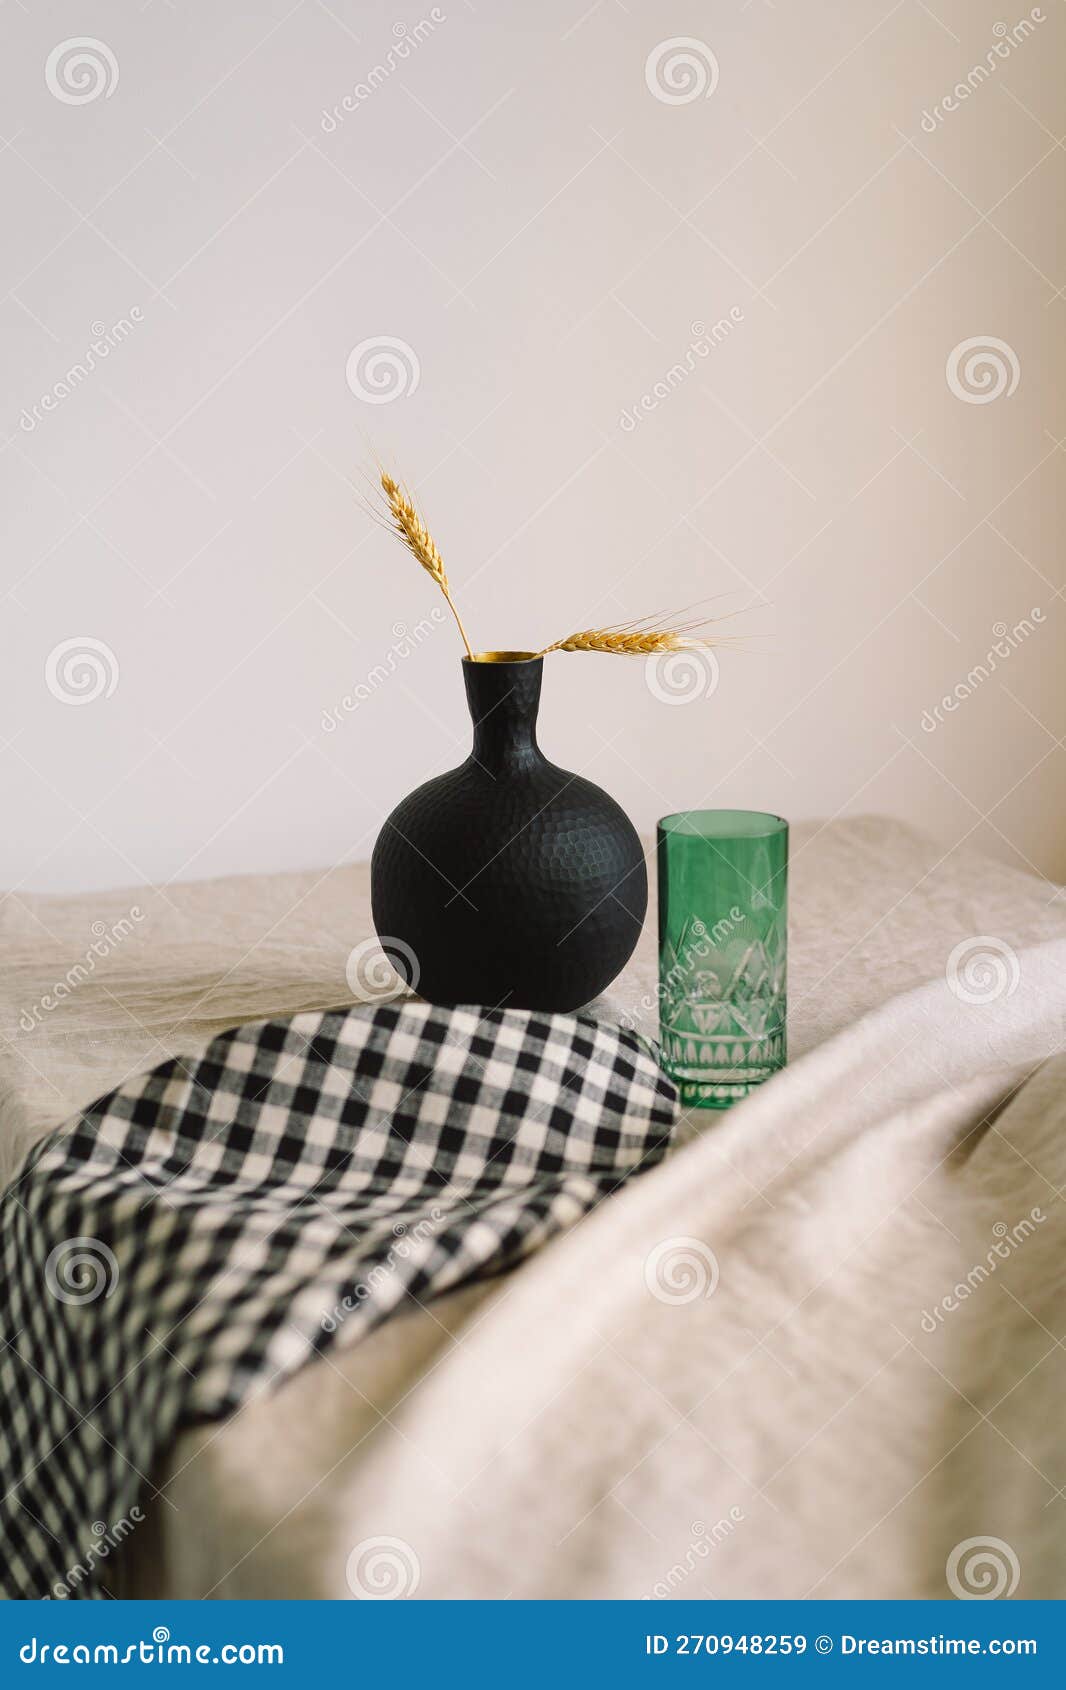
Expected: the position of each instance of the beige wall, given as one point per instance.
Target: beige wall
(514, 201)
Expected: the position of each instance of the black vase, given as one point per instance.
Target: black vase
(508, 882)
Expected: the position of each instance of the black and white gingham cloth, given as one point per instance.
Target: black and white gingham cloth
(201, 1232)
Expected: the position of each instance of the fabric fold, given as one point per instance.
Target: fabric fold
(195, 1236)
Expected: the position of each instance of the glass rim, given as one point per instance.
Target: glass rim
(735, 829)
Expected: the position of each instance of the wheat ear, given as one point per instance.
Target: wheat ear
(409, 526)
(625, 642)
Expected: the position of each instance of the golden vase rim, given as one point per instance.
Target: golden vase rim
(503, 657)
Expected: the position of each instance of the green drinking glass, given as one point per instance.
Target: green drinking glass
(723, 946)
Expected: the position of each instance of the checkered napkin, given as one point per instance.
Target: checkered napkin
(201, 1232)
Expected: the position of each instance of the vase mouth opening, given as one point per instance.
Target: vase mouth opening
(503, 657)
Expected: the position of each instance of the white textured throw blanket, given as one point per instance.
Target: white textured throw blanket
(817, 1351)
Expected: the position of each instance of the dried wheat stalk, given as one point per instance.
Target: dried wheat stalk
(409, 525)
(624, 639)
(632, 639)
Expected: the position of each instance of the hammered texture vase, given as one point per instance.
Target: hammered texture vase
(509, 881)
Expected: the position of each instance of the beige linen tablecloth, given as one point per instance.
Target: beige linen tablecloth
(818, 1351)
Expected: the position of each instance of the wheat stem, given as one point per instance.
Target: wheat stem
(411, 529)
(459, 623)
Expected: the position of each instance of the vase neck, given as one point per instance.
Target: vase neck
(503, 700)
